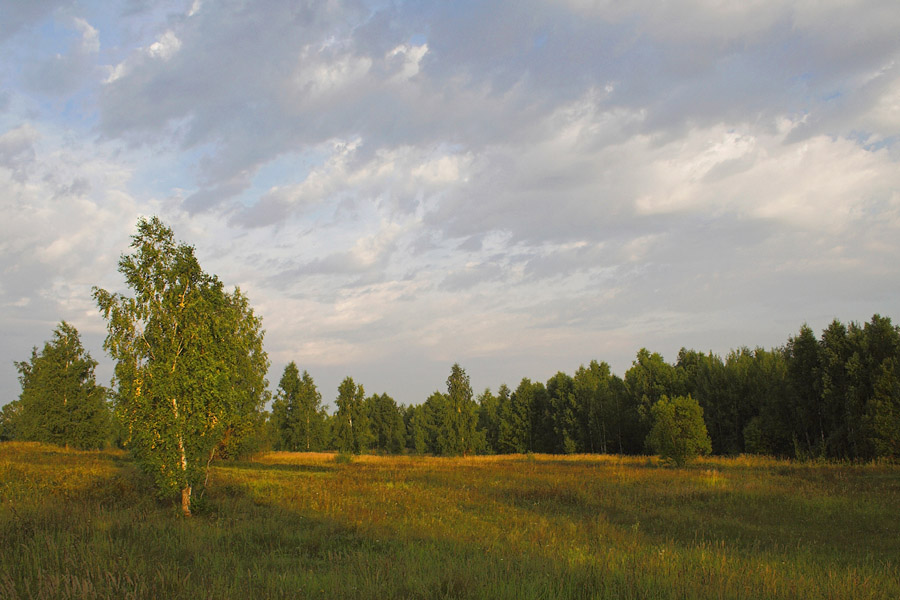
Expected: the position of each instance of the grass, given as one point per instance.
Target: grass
(86, 525)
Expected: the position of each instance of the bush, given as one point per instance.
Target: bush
(679, 432)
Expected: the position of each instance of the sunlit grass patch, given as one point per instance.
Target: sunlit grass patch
(301, 525)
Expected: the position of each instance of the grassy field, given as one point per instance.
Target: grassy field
(86, 525)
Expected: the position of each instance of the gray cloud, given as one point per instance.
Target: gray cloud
(471, 276)
(20, 15)
(17, 150)
(522, 186)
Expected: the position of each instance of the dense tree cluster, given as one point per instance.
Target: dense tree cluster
(833, 397)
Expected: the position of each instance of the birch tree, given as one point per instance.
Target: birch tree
(189, 359)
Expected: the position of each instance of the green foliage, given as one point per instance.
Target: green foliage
(297, 413)
(60, 401)
(352, 431)
(386, 424)
(649, 379)
(245, 363)
(343, 458)
(9, 420)
(804, 381)
(416, 422)
(434, 417)
(678, 433)
(514, 431)
(459, 424)
(489, 417)
(882, 416)
(246, 435)
(190, 365)
(542, 432)
(564, 414)
(595, 407)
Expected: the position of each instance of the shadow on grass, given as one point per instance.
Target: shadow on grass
(241, 548)
(305, 553)
(286, 467)
(838, 529)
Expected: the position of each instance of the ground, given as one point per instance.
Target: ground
(288, 525)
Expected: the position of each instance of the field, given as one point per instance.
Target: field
(86, 525)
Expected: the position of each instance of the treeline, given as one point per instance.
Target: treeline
(834, 397)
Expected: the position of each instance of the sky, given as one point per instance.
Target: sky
(520, 187)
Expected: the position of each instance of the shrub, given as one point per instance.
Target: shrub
(679, 433)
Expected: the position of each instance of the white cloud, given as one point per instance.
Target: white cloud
(90, 37)
(166, 47)
(195, 8)
(410, 58)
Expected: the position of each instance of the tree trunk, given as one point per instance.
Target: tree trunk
(186, 490)
(186, 501)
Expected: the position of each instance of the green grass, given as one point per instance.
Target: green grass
(86, 525)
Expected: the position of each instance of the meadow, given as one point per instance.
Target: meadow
(287, 525)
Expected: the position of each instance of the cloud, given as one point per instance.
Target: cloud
(21, 15)
(401, 178)
(64, 72)
(17, 150)
(526, 185)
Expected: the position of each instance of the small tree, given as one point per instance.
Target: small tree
(60, 401)
(190, 366)
(678, 433)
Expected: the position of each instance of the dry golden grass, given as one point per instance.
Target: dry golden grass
(307, 525)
